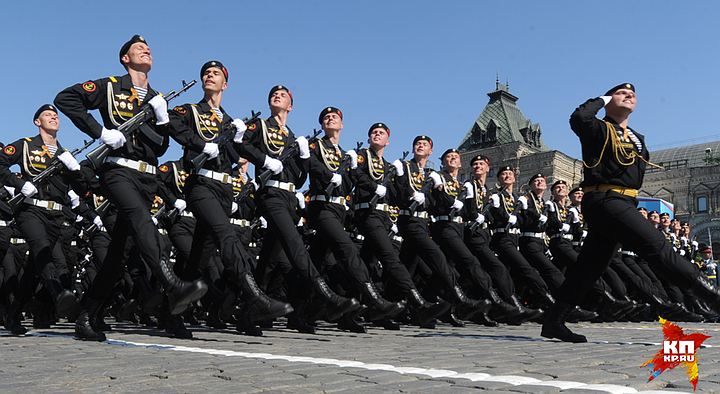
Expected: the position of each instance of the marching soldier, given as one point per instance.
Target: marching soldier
(128, 175)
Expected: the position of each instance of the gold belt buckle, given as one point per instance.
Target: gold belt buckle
(51, 205)
(142, 167)
(291, 187)
(226, 178)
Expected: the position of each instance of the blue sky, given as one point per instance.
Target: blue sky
(422, 67)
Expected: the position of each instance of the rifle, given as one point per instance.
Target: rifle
(347, 160)
(486, 210)
(97, 156)
(163, 216)
(426, 188)
(227, 135)
(386, 181)
(51, 170)
(100, 211)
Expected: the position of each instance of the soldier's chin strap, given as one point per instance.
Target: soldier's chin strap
(623, 156)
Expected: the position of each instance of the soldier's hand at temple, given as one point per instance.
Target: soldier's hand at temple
(381, 190)
(437, 181)
(240, 127)
(274, 165)
(28, 189)
(211, 149)
(606, 99)
(180, 205)
(419, 197)
(399, 170)
(336, 180)
(160, 108)
(69, 161)
(303, 147)
(112, 138)
(353, 158)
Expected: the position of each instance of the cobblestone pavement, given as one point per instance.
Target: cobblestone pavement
(457, 360)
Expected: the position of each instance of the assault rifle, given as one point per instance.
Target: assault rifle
(386, 180)
(226, 136)
(97, 156)
(347, 161)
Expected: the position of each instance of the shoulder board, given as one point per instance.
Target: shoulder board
(113, 79)
(28, 139)
(180, 110)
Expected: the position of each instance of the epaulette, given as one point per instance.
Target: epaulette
(113, 79)
(28, 139)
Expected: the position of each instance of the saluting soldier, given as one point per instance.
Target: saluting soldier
(128, 174)
(40, 218)
(615, 157)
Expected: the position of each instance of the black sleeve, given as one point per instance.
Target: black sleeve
(249, 148)
(10, 155)
(180, 130)
(78, 99)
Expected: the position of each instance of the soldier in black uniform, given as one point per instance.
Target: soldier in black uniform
(373, 177)
(326, 213)
(615, 157)
(128, 175)
(263, 143)
(41, 216)
(210, 194)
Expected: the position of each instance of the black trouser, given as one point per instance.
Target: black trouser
(327, 219)
(478, 243)
(283, 244)
(612, 218)
(533, 249)
(41, 229)
(505, 245)
(563, 253)
(612, 278)
(449, 235)
(181, 235)
(132, 193)
(211, 203)
(5, 235)
(640, 283)
(642, 268)
(417, 243)
(375, 226)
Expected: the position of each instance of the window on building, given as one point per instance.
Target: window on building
(702, 204)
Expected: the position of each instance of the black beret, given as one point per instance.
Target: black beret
(329, 110)
(642, 209)
(625, 85)
(576, 189)
(214, 63)
(665, 214)
(378, 125)
(44, 107)
(534, 177)
(480, 158)
(684, 224)
(559, 182)
(505, 168)
(280, 87)
(126, 46)
(447, 152)
(653, 211)
(423, 138)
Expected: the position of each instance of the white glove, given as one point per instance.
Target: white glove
(682, 252)
(69, 161)
(512, 220)
(255, 184)
(303, 147)
(495, 199)
(606, 99)
(419, 197)
(695, 244)
(575, 215)
(263, 222)
(154, 219)
(300, 199)
(565, 228)
(584, 234)
(211, 149)
(457, 205)
(336, 180)
(274, 165)
(180, 204)
(381, 190)
(112, 138)
(74, 198)
(28, 189)
(542, 219)
(160, 107)
(98, 222)
(233, 208)
(240, 128)
(469, 190)
(399, 167)
(523, 202)
(78, 219)
(394, 228)
(10, 190)
(353, 158)
(550, 206)
(437, 181)
(480, 219)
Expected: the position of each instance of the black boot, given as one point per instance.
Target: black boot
(66, 304)
(348, 323)
(484, 320)
(466, 307)
(258, 306)
(554, 325)
(502, 311)
(98, 321)
(12, 321)
(614, 309)
(84, 329)
(450, 318)
(248, 328)
(527, 313)
(703, 288)
(179, 292)
(295, 321)
(337, 305)
(424, 311)
(379, 307)
(579, 314)
(387, 324)
(176, 328)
